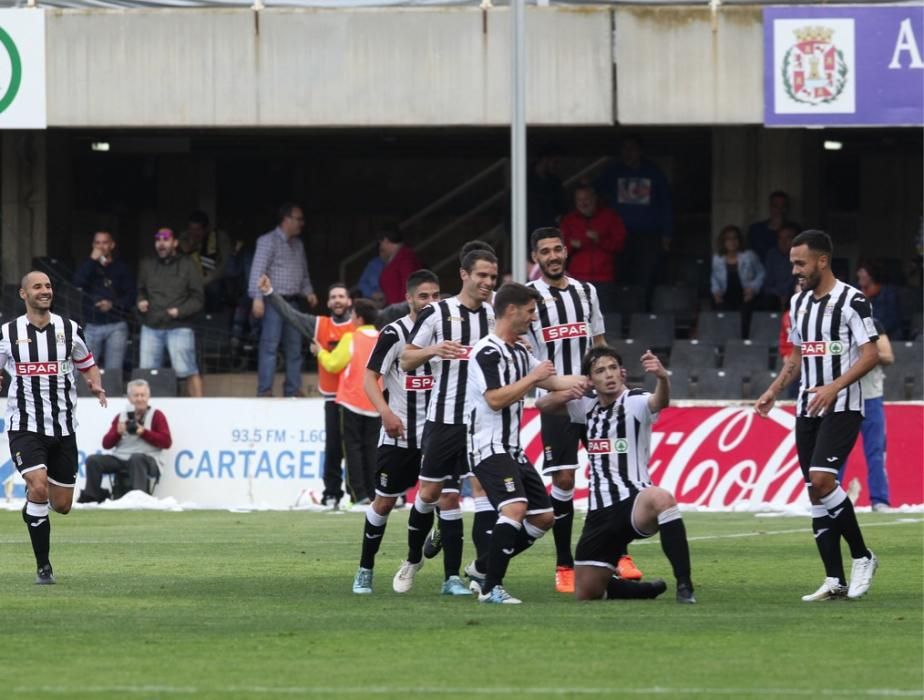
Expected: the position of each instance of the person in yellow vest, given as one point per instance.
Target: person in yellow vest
(325, 332)
(360, 422)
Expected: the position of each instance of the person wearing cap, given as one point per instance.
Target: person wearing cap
(170, 294)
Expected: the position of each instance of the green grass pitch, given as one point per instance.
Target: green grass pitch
(238, 605)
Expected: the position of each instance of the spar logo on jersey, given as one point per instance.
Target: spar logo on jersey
(422, 383)
(605, 446)
(465, 353)
(564, 331)
(822, 348)
(42, 369)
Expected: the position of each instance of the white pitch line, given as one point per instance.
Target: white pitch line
(443, 690)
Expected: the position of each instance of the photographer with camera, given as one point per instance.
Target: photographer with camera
(138, 436)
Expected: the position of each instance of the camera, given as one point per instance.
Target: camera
(131, 423)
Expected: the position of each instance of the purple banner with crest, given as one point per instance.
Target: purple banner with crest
(844, 66)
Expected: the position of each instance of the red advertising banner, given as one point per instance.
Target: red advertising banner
(729, 457)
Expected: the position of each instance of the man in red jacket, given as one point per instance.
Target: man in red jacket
(137, 437)
(400, 262)
(594, 234)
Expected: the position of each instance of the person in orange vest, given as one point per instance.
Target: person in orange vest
(326, 332)
(360, 422)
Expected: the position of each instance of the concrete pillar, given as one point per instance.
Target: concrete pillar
(23, 201)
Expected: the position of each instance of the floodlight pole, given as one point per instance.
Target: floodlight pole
(518, 141)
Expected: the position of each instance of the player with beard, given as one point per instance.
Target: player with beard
(569, 321)
(834, 345)
(402, 403)
(40, 350)
(444, 335)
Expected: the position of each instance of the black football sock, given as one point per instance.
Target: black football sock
(38, 524)
(419, 523)
(828, 541)
(451, 536)
(844, 517)
(503, 545)
(485, 517)
(674, 543)
(373, 531)
(563, 509)
(621, 589)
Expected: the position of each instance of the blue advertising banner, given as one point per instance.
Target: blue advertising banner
(844, 66)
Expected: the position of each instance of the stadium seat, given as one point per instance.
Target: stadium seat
(894, 386)
(680, 383)
(653, 330)
(629, 300)
(719, 384)
(765, 327)
(613, 323)
(162, 380)
(680, 301)
(694, 272)
(630, 351)
(693, 355)
(746, 357)
(909, 356)
(718, 326)
(113, 384)
(917, 387)
(757, 384)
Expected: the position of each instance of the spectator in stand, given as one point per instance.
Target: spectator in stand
(785, 344)
(639, 192)
(359, 419)
(762, 235)
(883, 297)
(873, 427)
(546, 199)
(369, 281)
(170, 294)
(109, 289)
(137, 437)
(779, 279)
(281, 256)
(400, 262)
(211, 250)
(737, 276)
(594, 235)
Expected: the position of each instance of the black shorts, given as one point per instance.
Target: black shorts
(560, 441)
(505, 480)
(397, 469)
(57, 455)
(445, 452)
(606, 534)
(824, 443)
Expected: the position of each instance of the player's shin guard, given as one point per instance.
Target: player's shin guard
(828, 541)
(451, 536)
(485, 517)
(373, 531)
(503, 546)
(844, 517)
(35, 515)
(674, 543)
(563, 508)
(419, 523)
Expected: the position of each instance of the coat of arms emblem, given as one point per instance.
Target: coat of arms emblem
(814, 69)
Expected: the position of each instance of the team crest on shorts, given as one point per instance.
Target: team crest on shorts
(383, 479)
(548, 452)
(509, 484)
(19, 459)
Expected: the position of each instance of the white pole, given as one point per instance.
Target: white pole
(518, 141)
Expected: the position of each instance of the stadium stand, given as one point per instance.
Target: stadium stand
(655, 331)
(694, 355)
(746, 356)
(765, 327)
(679, 300)
(629, 299)
(162, 380)
(718, 326)
(719, 384)
(680, 383)
(613, 324)
(113, 383)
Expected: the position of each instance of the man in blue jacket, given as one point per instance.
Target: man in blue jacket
(108, 288)
(639, 191)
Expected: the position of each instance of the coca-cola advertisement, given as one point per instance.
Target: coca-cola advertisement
(728, 457)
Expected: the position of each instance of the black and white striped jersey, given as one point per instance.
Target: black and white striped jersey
(41, 361)
(407, 393)
(495, 364)
(566, 322)
(829, 332)
(449, 319)
(618, 445)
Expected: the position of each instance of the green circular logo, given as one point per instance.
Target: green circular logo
(621, 446)
(15, 70)
(836, 348)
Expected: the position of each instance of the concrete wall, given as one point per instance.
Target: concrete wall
(684, 65)
(300, 67)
